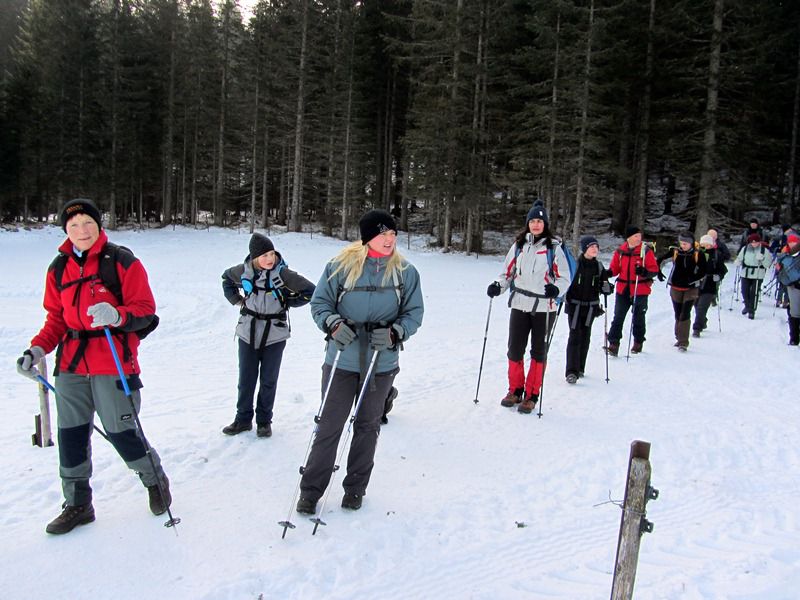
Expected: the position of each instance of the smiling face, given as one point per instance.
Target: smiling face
(82, 231)
(634, 240)
(266, 261)
(383, 243)
(536, 226)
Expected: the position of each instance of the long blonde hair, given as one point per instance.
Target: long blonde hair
(351, 261)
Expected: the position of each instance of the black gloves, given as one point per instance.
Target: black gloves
(641, 271)
(551, 291)
(606, 274)
(660, 276)
(494, 289)
(606, 288)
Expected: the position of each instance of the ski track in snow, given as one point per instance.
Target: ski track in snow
(466, 501)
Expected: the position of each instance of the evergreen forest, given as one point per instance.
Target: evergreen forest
(452, 114)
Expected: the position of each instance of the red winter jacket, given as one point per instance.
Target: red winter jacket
(623, 265)
(66, 313)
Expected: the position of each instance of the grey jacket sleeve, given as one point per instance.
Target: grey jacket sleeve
(323, 300)
(298, 289)
(232, 283)
(412, 306)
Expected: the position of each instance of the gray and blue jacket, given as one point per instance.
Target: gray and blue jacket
(372, 302)
(264, 313)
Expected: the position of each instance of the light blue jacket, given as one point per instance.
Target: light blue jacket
(370, 302)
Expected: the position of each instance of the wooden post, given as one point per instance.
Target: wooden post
(43, 437)
(633, 522)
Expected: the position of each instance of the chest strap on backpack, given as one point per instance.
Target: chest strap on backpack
(267, 318)
(83, 336)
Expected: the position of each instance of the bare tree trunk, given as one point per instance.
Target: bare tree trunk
(789, 210)
(265, 180)
(254, 170)
(451, 193)
(577, 224)
(549, 183)
(640, 199)
(193, 194)
(295, 223)
(112, 205)
(283, 199)
(348, 129)
(170, 128)
(328, 210)
(219, 195)
(707, 175)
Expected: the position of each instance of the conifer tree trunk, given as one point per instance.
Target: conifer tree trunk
(549, 184)
(789, 209)
(640, 198)
(295, 223)
(219, 193)
(169, 135)
(265, 181)
(254, 158)
(579, 184)
(707, 175)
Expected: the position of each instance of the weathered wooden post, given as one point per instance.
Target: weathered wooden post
(633, 522)
(43, 435)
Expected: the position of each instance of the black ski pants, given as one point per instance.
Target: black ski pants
(578, 348)
(750, 290)
(344, 391)
(701, 311)
(521, 326)
(622, 304)
(258, 366)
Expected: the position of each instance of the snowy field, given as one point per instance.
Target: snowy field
(466, 501)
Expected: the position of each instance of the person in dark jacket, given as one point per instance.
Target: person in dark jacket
(86, 377)
(753, 227)
(709, 288)
(722, 248)
(583, 305)
(634, 266)
(688, 271)
(369, 303)
(264, 288)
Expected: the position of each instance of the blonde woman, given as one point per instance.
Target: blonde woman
(368, 300)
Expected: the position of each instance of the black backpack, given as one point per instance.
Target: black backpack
(110, 255)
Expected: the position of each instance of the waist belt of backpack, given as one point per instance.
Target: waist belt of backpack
(524, 292)
(84, 336)
(267, 318)
(573, 322)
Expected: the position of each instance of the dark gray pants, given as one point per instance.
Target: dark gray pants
(77, 399)
(343, 393)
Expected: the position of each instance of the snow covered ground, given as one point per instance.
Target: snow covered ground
(466, 501)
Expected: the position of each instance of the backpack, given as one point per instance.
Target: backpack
(571, 262)
(789, 273)
(110, 255)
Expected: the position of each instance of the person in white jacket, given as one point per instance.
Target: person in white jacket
(754, 260)
(536, 272)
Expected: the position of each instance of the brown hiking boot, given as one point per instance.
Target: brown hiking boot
(613, 349)
(159, 504)
(637, 347)
(512, 398)
(529, 404)
(70, 518)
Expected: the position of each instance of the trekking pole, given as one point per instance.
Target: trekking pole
(548, 338)
(318, 520)
(758, 296)
(605, 330)
(485, 335)
(287, 524)
(735, 286)
(633, 316)
(172, 521)
(719, 317)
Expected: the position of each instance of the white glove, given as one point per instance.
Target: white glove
(28, 361)
(104, 315)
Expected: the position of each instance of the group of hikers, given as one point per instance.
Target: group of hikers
(99, 304)
(368, 302)
(542, 278)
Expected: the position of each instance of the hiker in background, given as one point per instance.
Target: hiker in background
(715, 271)
(369, 303)
(634, 265)
(264, 288)
(754, 260)
(752, 228)
(688, 271)
(791, 252)
(79, 307)
(583, 305)
(536, 273)
(777, 247)
(722, 248)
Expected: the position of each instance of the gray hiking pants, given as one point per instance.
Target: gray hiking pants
(78, 397)
(366, 429)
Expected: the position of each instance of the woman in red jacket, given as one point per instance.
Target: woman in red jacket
(79, 305)
(634, 265)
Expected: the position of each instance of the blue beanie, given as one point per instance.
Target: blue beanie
(538, 211)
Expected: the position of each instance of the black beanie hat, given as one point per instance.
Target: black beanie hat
(80, 206)
(538, 211)
(631, 230)
(375, 222)
(686, 236)
(260, 244)
(587, 241)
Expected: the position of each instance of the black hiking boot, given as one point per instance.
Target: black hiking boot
(696, 333)
(512, 397)
(529, 404)
(70, 518)
(572, 378)
(388, 405)
(159, 505)
(351, 501)
(264, 430)
(306, 506)
(236, 428)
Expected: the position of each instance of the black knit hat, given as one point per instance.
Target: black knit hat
(686, 236)
(80, 206)
(375, 222)
(260, 244)
(631, 230)
(588, 240)
(538, 211)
